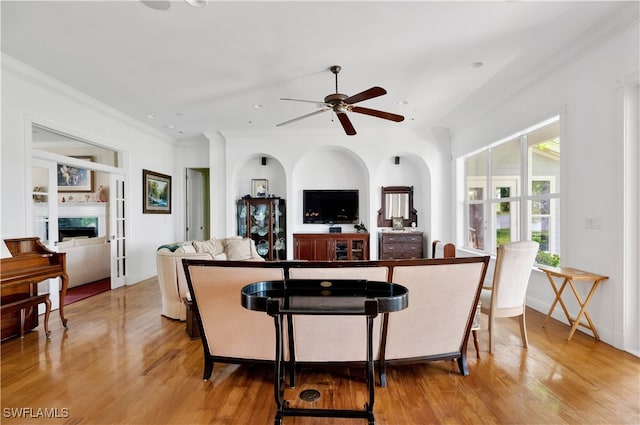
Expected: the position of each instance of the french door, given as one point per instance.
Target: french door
(44, 217)
(117, 230)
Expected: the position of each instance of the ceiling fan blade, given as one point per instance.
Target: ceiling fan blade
(378, 114)
(367, 94)
(303, 117)
(346, 123)
(317, 102)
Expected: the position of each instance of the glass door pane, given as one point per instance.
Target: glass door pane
(117, 228)
(44, 220)
(279, 230)
(260, 226)
(357, 249)
(342, 250)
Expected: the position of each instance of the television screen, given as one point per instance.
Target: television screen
(330, 206)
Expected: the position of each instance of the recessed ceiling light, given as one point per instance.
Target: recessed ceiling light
(258, 106)
(196, 3)
(476, 65)
(151, 116)
(157, 4)
(170, 126)
(403, 102)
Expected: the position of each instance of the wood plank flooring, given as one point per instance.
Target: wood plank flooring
(120, 362)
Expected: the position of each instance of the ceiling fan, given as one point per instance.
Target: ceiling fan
(341, 104)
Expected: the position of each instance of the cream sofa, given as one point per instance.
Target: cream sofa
(88, 259)
(171, 278)
(443, 294)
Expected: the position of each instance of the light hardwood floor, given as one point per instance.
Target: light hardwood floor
(120, 362)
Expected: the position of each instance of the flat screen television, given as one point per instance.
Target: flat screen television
(330, 206)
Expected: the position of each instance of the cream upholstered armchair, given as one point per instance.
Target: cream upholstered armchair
(506, 297)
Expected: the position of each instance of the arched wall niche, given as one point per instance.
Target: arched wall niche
(328, 167)
(252, 168)
(411, 170)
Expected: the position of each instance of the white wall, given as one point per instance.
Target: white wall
(330, 160)
(585, 91)
(28, 95)
(193, 153)
(233, 160)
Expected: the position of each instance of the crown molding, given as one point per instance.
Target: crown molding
(618, 22)
(32, 75)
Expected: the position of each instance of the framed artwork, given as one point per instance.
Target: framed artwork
(75, 179)
(156, 193)
(259, 188)
(398, 223)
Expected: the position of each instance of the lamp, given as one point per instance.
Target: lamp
(397, 160)
(263, 160)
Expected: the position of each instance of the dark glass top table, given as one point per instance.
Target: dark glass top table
(340, 297)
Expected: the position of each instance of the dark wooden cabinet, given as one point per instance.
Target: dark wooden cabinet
(400, 245)
(263, 220)
(331, 246)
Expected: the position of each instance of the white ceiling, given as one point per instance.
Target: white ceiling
(204, 69)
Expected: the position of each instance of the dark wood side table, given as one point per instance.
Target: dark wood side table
(192, 329)
(319, 297)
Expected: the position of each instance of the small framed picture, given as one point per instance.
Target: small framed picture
(259, 188)
(75, 179)
(156, 193)
(398, 223)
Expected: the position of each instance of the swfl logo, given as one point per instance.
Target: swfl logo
(38, 413)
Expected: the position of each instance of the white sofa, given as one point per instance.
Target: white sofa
(88, 259)
(171, 277)
(443, 294)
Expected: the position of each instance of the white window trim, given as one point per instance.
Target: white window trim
(524, 198)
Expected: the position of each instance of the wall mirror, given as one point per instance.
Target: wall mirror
(396, 203)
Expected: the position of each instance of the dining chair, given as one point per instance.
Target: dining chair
(506, 296)
(448, 250)
(442, 250)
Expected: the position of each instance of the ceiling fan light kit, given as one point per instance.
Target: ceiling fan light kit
(341, 103)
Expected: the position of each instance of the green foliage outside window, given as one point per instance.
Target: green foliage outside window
(544, 257)
(504, 236)
(548, 259)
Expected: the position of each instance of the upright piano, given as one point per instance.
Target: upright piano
(31, 262)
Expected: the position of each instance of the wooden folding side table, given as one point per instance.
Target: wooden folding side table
(569, 275)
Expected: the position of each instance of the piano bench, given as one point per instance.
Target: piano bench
(23, 304)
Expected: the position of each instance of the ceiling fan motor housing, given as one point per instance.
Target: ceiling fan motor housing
(337, 102)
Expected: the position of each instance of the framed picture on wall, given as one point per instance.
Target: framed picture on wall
(259, 188)
(156, 193)
(75, 179)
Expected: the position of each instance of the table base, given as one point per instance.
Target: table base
(569, 275)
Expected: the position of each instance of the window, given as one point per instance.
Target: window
(513, 192)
